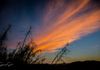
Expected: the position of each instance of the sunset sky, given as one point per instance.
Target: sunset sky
(54, 24)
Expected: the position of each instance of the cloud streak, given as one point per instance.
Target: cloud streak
(65, 22)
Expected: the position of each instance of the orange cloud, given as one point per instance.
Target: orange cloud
(61, 26)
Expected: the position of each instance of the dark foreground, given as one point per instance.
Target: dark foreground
(87, 65)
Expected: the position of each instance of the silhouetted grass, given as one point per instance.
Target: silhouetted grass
(23, 54)
(3, 47)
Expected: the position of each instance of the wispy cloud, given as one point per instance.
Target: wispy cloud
(65, 22)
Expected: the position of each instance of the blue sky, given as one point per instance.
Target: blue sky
(25, 13)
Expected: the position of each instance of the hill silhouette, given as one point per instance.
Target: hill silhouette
(85, 65)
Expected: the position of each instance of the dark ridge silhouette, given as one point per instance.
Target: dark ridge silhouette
(85, 65)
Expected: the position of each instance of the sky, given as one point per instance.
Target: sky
(54, 24)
